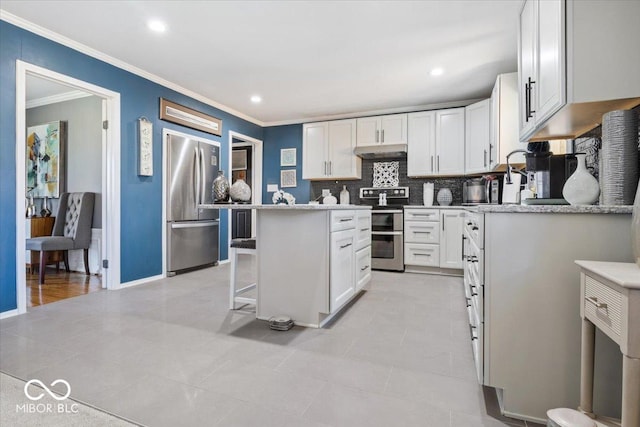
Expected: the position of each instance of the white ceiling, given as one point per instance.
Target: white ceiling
(307, 59)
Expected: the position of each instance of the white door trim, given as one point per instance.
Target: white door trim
(110, 174)
(256, 180)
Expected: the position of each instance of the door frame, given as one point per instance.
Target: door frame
(110, 247)
(256, 177)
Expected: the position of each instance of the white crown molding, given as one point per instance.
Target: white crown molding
(53, 99)
(425, 107)
(48, 34)
(36, 29)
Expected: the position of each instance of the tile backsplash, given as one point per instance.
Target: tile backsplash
(414, 184)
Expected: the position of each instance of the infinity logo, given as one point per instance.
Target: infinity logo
(51, 393)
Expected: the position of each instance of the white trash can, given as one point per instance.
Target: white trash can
(565, 417)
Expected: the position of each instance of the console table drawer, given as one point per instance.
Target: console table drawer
(603, 306)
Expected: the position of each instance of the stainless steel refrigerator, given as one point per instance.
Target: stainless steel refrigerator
(192, 233)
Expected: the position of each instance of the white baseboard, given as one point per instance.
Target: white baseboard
(141, 281)
(10, 313)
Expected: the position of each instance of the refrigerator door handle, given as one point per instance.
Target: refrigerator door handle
(197, 177)
(202, 177)
(196, 225)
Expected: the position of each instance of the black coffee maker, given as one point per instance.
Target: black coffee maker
(547, 172)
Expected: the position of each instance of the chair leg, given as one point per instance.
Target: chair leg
(86, 262)
(232, 279)
(43, 261)
(65, 257)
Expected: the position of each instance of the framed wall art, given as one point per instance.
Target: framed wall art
(185, 116)
(288, 178)
(45, 168)
(145, 147)
(288, 157)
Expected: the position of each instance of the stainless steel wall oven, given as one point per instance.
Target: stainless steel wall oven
(387, 226)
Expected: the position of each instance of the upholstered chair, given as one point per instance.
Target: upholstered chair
(71, 230)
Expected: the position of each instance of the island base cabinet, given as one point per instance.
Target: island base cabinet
(310, 262)
(342, 266)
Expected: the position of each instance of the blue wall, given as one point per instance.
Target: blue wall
(141, 197)
(276, 138)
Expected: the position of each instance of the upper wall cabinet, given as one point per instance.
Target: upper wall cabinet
(576, 61)
(391, 129)
(327, 150)
(436, 143)
(478, 137)
(504, 123)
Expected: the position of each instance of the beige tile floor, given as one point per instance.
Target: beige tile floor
(170, 353)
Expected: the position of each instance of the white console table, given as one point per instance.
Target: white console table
(610, 301)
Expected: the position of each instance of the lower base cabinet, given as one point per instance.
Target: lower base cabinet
(363, 267)
(342, 279)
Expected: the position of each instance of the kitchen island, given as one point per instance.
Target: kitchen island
(312, 259)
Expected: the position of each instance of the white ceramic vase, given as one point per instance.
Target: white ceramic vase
(444, 197)
(240, 191)
(581, 188)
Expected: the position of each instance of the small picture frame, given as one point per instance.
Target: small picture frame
(145, 147)
(288, 178)
(288, 157)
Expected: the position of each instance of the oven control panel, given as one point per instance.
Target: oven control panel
(391, 192)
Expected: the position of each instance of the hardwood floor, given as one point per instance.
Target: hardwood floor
(59, 286)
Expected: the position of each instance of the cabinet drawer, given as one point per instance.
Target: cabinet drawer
(422, 254)
(422, 215)
(422, 232)
(343, 220)
(603, 307)
(363, 267)
(363, 229)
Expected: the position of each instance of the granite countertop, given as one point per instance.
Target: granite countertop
(569, 209)
(625, 274)
(301, 206)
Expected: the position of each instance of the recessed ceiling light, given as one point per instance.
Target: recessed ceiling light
(157, 26)
(256, 99)
(437, 72)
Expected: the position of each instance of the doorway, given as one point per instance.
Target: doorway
(30, 81)
(247, 165)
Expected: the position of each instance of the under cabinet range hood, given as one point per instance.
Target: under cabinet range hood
(381, 151)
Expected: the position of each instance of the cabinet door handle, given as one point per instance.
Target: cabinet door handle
(463, 247)
(531, 83)
(594, 301)
(471, 328)
(345, 246)
(490, 150)
(526, 102)
(364, 268)
(438, 162)
(325, 167)
(346, 219)
(382, 135)
(432, 170)
(377, 136)
(485, 158)
(329, 167)
(364, 229)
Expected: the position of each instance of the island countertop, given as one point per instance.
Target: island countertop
(314, 207)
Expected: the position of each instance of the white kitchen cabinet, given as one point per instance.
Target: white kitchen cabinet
(436, 143)
(363, 229)
(390, 129)
(327, 151)
(433, 238)
(477, 137)
(504, 121)
(563, 92)
(532, 308)
(421, 145)
(363, 267)
(450, 141)
(542, 32)
(451, 238)
(342, 276)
